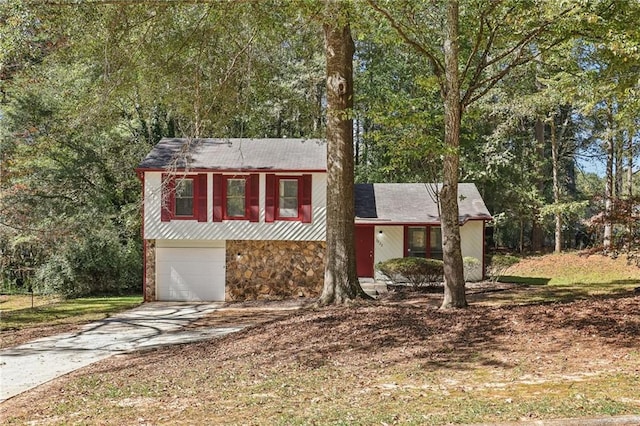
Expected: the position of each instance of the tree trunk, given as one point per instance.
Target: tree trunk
(630, 152)
(340, 279)
(537, 233)
(555, 165)
(454, 286)
(609, 185)
(619, 165)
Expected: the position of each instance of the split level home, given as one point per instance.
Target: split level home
(241, 219)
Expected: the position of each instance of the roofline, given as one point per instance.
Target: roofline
(214, 170)
(383, 222)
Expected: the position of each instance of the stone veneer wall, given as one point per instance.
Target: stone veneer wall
(150, 271)
(274, 269)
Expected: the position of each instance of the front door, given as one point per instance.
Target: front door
(364, 251)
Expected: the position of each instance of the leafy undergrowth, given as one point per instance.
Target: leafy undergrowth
(393, 361)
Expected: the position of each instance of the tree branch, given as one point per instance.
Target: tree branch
(438, 68)
(476, 46)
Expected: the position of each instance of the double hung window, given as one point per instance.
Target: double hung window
(423, 241)
(184, 197)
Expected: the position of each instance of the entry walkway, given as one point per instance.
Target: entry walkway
(150, 325)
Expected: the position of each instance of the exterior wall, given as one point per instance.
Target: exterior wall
(154, 228)
(274, 269)
(389, 244)
(472, 241)
(149, 271)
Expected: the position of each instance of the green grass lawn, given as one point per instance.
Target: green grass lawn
(16, 312)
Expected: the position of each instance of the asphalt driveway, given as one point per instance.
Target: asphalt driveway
(149, 325)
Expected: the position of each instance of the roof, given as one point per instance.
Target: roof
(238, 154)
(406, 203)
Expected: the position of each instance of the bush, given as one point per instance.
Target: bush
(500, 263)
(414, 270)
(98, 265)
(472, 269)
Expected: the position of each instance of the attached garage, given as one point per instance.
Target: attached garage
(190, 273)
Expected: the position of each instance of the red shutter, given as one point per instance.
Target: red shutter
(201, 191)
(305, 204)
(254, 197)
(406, 241)
(270, 198)
(168, 199)
(217, 198)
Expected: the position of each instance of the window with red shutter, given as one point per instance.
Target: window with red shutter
(184, 197)
(288, 198)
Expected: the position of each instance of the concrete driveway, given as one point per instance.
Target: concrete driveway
(150, 325)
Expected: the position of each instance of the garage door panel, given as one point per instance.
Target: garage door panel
(190, 254)
(190, 274)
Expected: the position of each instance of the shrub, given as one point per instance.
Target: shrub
(414, 270)
(472, 269)
(97, 265)
(500, 263)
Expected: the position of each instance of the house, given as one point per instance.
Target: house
(238, 219)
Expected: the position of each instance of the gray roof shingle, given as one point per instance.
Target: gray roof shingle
(238, 154)
(406, 203)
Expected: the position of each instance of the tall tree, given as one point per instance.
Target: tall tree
(496, 38)
(340, 278)
(454, 291)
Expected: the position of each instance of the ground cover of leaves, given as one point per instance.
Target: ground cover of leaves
(398, 360)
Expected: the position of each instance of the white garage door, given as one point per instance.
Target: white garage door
(190, 274)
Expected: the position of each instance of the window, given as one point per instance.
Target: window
(184, 197)
(423, 241)
(235, 197)
(435, 242)
(288, 198)
(417, 241)
(235, 207)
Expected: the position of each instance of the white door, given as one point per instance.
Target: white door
(190, 274)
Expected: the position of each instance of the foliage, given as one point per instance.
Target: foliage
(499, 263)
(86, 88)
(416, 271)
(97, 265)
(625, 218)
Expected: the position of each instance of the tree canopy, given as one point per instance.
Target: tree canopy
(546, 102)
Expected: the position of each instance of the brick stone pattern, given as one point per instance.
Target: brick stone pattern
(150, 271)
(258, 270)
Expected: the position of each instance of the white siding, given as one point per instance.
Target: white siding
(472, 238)
(154, 228)
(388, 245)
